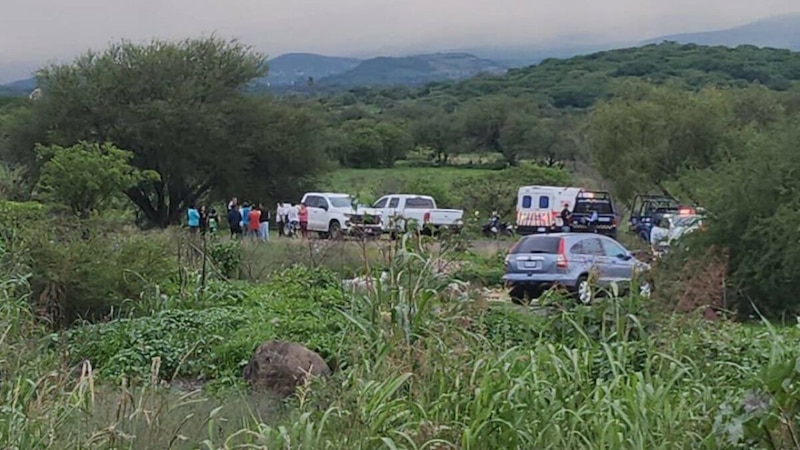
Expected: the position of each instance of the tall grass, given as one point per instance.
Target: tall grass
(425, 370)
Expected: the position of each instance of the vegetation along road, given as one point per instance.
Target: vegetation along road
(120, 329)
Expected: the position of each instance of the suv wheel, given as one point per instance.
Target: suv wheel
(583, 290)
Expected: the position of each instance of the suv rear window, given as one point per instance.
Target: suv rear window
(536, 244)
(588, 206)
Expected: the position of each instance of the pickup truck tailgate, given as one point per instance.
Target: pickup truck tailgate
(446, 216)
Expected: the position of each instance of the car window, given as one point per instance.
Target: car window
(612, 249)
(341, 202)
(588, 206)
(394, 202)
(536, 244)
(381, 203)
(527, 201)
(592, 246)
(544, 202)
(418, 202)
(313, 201)
(578, 249)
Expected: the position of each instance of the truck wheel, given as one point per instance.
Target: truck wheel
(583, 290)
(335, 230)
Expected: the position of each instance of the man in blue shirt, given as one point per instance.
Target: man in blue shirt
(245, 217)
(193, 219)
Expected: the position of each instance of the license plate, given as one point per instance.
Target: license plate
(605, 219)
(531, 264)
(540, 229)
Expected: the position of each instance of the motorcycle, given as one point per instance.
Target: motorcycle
(495, 228)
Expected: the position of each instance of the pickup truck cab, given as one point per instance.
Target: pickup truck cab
(597, 205)
(398, 210)
(334, 214)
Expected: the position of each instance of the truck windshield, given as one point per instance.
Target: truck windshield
(341, 202)
(419, 203)
(589, 206)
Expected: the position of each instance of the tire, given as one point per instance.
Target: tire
(583, 290)
(517, 294)
(335, 230)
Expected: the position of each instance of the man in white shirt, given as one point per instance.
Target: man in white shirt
(293, 215)
(279, 215)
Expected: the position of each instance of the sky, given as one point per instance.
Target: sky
(37, 31)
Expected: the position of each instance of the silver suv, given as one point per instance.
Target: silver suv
(538, 262)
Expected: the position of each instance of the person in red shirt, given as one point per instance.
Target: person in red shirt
(254, 222)
(303, 215)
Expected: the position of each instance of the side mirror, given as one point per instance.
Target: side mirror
(324, 207)
(625, 256)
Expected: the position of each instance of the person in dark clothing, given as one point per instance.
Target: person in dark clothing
(235, 222)
(203, 219)
(566, 218)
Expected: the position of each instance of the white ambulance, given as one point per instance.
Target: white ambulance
(539, 207)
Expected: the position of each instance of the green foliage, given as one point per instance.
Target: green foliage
(87, 177)
(195, 127)
(213, 336)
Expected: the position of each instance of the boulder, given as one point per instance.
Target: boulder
(280, 367)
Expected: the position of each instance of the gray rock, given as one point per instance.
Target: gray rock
(279, 367)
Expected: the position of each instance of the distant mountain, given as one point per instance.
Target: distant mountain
(414, 70)
(781, 31)
(296, 68)
(18, 88)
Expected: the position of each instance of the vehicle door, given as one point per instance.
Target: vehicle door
(396, 213)
(600, 266)
(317, 213)
(619, 261)
(381, 206)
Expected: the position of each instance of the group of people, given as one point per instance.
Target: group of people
(290, 217)
(248, 220)
(202, 220)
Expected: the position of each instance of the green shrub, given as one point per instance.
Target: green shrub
(215, 336)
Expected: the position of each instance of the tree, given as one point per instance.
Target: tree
(648, 136)
(395, 143)
(87, 176)
(179, 107)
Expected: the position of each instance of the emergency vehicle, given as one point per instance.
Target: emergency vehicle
(539, 207)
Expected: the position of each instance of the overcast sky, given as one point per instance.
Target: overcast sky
(32, 31)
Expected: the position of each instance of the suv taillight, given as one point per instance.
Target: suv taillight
(561, 259)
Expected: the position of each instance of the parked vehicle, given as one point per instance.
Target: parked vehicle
(400, 210)
(594, 212)
(538, 262)
(648, 210)
(673, 227)
(335, 214)
(539, 208)
(495, 228)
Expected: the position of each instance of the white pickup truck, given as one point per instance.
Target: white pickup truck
(398, 209)
(333, 214)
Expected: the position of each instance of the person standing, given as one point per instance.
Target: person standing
(193, 219)
(235, 222)
(263, 227)
(253, 222)
(203, 219)
(293, 218)
(245, 211)
(566, 218)
(279, 218)
(234, 203)
(302, 215)
(213, 221)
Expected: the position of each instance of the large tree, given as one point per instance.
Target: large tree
(179, 107)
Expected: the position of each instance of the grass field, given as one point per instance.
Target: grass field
(370, 184)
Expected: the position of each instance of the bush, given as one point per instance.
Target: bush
(214, 336)
(90, 279)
